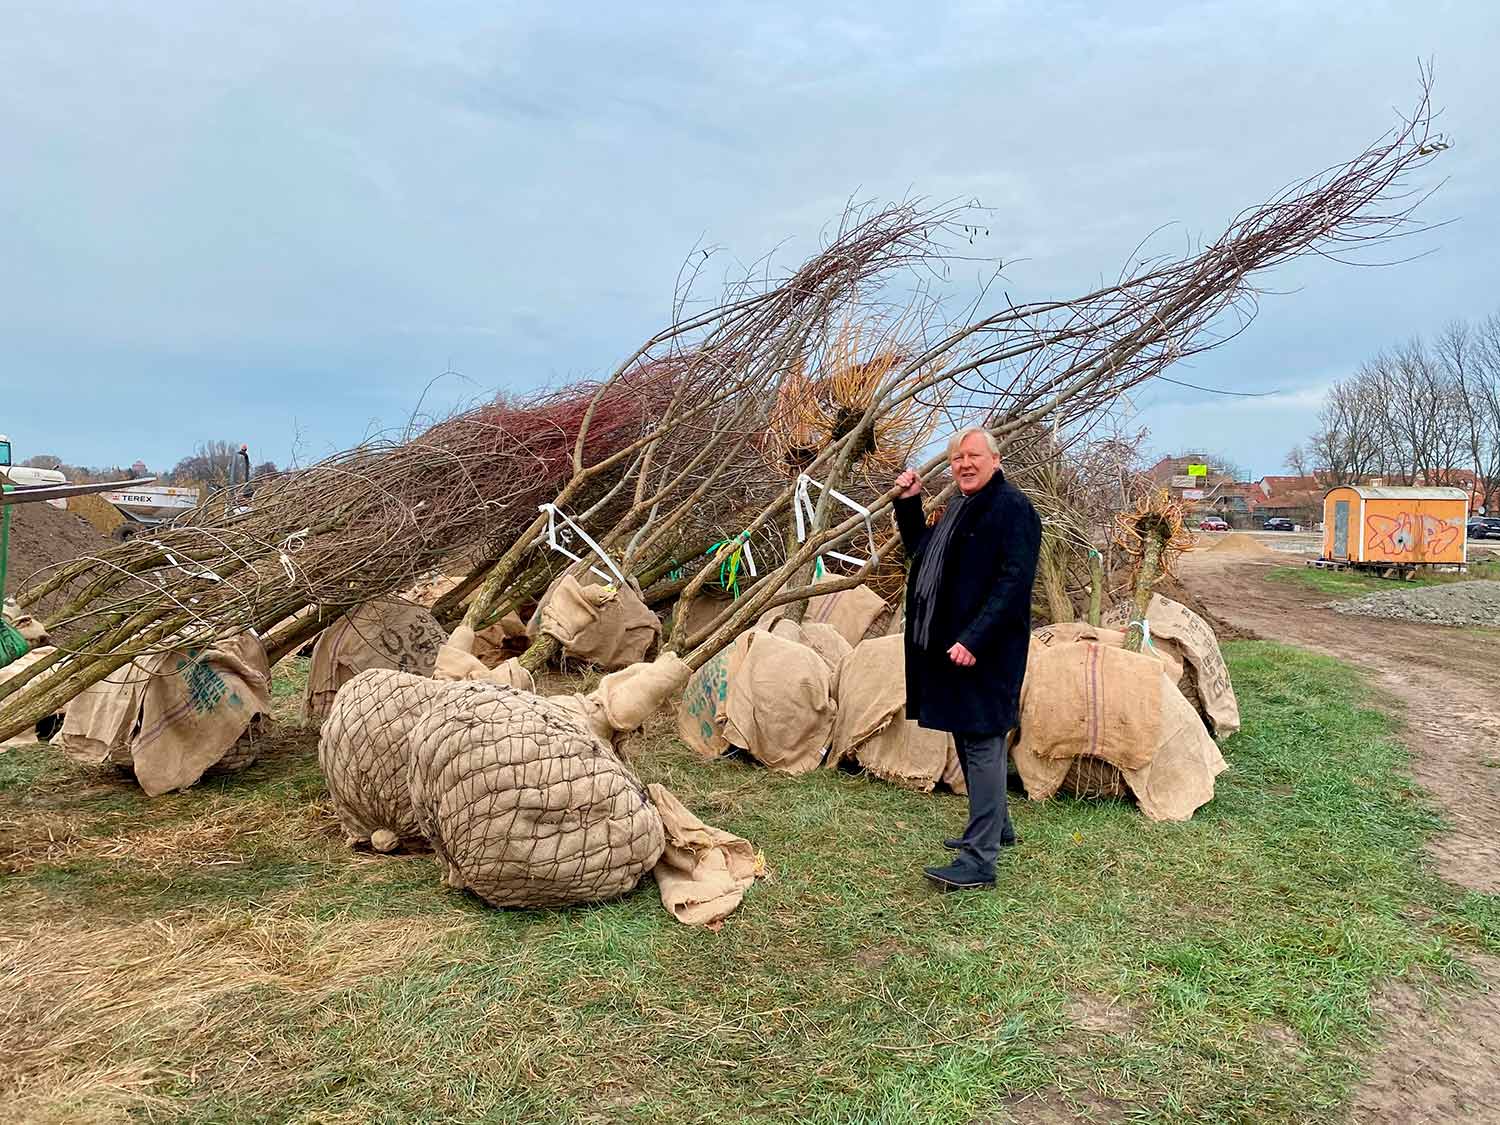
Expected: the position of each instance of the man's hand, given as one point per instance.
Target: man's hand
(961, 656)
(908, 484)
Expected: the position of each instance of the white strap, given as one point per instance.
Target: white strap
(171, 558)
(293, 542)
(803, 500)
(553, 515)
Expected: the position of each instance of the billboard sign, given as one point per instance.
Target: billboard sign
(1197, 470)
(1182, 482)
(1192, 494)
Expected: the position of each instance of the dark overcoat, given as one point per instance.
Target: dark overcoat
(983, 603)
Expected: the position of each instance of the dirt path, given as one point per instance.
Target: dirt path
(1434, 1065)
(1447, 679)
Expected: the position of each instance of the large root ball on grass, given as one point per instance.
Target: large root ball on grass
(363, 752)
(523, 806)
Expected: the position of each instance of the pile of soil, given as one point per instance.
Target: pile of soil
(1169, 587)
(98, 511)
(1237, 542)
(1119, 586)
(1460, 604)
(41, 536)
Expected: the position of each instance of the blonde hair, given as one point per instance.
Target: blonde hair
(958, 439)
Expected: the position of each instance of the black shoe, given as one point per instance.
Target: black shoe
(956, 843)
(958, 877)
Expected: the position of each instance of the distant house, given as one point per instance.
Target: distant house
(1464, 479)
(1217, 494)
(1297, 498)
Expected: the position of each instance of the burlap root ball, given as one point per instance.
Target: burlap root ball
(523, 806)
(363, 753)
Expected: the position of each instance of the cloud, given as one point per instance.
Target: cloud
(261, 222)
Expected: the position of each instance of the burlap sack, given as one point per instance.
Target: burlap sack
(828, 643)
(624, 700)
(456, 661)
(1090, 698)
(363, 751)
(426, 591)
(1174, 623)
(1072, 632)
(100, 721)
(700, 615)
(604, 625)
(822, 639)
(871, 726)
(1088, 702)
(33, 656)
(174, 716)
(384, 633)
(32, 631)
(779, 706)
(196, 706)
(702, 712)
(523, 807)
(494, 643)
(1179, 779)
(703, 872)
(850, 612)
(632, 694)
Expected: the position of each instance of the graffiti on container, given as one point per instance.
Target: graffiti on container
(1410, 535)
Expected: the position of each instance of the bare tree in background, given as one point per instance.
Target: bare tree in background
(210, 463)
(1471, 357)
(1297, 462)
(1416, 414)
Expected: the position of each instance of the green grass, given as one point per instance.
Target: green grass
(1351, 584)
(1218, 970)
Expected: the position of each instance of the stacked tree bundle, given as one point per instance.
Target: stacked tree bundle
(686, 452)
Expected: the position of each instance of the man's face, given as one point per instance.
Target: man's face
(973, 464)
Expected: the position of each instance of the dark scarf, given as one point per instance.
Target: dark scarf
(924, 593)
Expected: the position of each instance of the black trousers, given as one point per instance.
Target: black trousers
(982, 758)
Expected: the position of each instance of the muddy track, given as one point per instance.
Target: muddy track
(1445, 678)
(1433, 1065)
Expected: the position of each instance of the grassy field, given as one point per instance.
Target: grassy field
(1351, 584)
(220, 956)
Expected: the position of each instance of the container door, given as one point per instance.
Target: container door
(1341, 529)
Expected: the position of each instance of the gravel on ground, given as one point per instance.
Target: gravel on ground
(1461, 604)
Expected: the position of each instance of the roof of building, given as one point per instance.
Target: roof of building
(1275, 485)
(1289, 501)
(1405, 492)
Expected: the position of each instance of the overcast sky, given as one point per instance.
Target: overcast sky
(277, 223)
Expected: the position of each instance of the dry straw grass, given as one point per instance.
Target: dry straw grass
(220, 835)
(92, 1013)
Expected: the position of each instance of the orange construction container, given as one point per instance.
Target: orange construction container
(1396, 526)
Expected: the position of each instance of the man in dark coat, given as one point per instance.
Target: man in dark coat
(968, 625)
(240, 473)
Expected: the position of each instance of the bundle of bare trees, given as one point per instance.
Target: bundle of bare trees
(1417, 413)
(773, 417)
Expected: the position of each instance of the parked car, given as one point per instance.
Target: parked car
(1484, 527)
(1212, 523)
(1280, 523)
